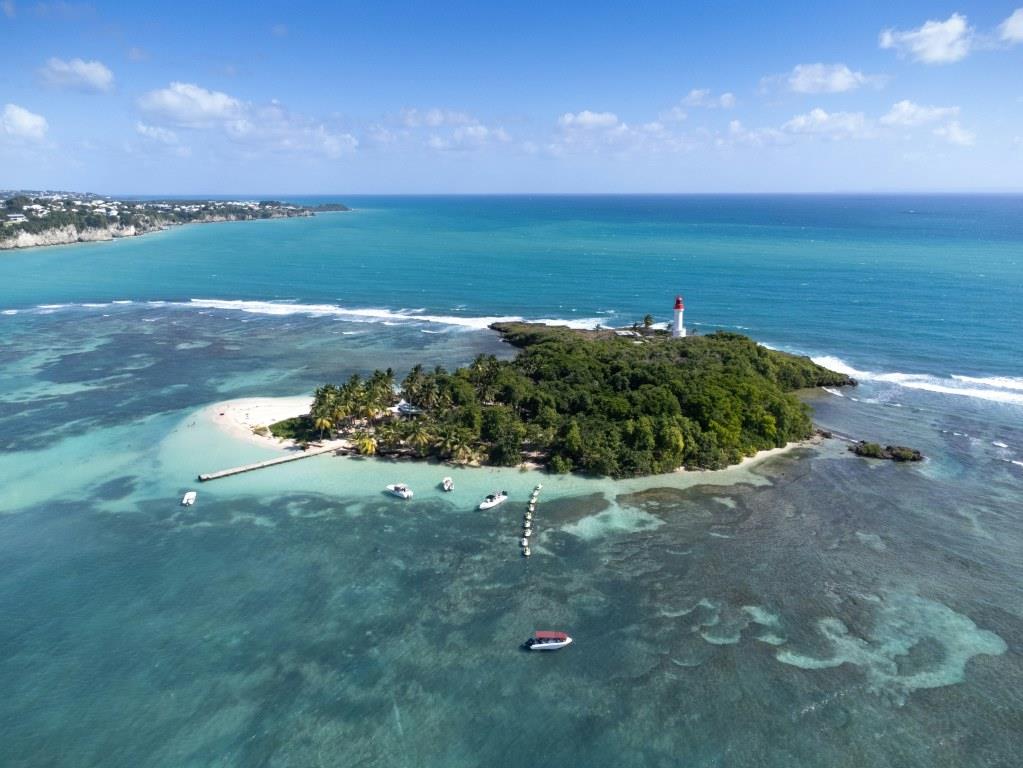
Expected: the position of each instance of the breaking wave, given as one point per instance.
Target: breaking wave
(998, 389)
(365, 314)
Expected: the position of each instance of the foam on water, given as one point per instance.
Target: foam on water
(999, 389)
(360, 314)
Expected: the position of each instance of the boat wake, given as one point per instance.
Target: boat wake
(998, 389)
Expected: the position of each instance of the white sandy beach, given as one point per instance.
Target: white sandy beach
(240, 417)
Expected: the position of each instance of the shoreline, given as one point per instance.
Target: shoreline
(238, 418)
(110, 234)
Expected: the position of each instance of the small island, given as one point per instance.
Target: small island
(32, 219)
(605, 402)
(890, 452)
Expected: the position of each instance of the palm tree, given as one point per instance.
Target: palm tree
(365, 443)
(446, 441)
(411, 387)
(464, 452)
(322, 423)
(420, 437)
(388, 435)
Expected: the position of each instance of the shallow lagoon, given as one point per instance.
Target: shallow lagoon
(816, 609)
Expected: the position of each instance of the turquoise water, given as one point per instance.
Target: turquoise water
(814, 610)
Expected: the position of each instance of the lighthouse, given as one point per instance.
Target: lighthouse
(678, 330)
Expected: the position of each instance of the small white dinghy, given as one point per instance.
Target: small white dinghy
(400, 490)
(188, 499)
(526, 552)
(547, 641)
(447, 484)
(493, 499)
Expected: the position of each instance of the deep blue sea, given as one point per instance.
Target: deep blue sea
(815, 609)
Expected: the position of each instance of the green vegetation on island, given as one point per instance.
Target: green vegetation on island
(600, 402)
(892, 452)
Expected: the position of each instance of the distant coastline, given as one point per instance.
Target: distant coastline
(35, 221)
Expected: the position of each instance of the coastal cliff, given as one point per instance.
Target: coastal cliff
(31, 220)
(68, 234)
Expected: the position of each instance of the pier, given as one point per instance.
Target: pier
(206, 477)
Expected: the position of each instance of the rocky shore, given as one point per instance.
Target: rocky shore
(69, 234)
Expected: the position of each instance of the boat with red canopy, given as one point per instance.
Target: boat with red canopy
(547, 641)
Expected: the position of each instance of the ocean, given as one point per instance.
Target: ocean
(814, 610)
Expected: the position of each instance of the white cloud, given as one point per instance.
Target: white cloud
(738, 134)
(77, 74)
(825, 78)
(156, 133)
(256, 128)
(909, 114)
(19, 123)
(1011, 30)
(954, 133)
(137, 54)
(273, 128)
(835, 124)
(673, 115)
(595, 132)
(702, 97)
(9, 8)
(434, 118)
(936, 42)
(466, 137)
(587, 119)
(187, 104)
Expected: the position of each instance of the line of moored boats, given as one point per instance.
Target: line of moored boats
(447, 485)
(527, 520)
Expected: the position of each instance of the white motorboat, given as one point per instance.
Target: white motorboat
(400, 490)
(524, 542)
(493, 499)
(526, 552)
(447, 484)
(547, 641)
(188, 499)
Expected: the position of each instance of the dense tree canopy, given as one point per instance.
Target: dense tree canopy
(595, 402)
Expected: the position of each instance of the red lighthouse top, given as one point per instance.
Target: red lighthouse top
(678, 303)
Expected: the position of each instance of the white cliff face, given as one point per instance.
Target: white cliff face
(65, 235)
(70, 234)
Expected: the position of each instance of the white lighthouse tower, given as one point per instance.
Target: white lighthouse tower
(678, 330)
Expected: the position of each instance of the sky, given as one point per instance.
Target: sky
(544, 97)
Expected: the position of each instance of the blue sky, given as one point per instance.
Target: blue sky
(527, 97)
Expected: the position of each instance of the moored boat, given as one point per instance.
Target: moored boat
(447, 484)
(400, 490)
(188, 499)
(493, 499)
(547, 641)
